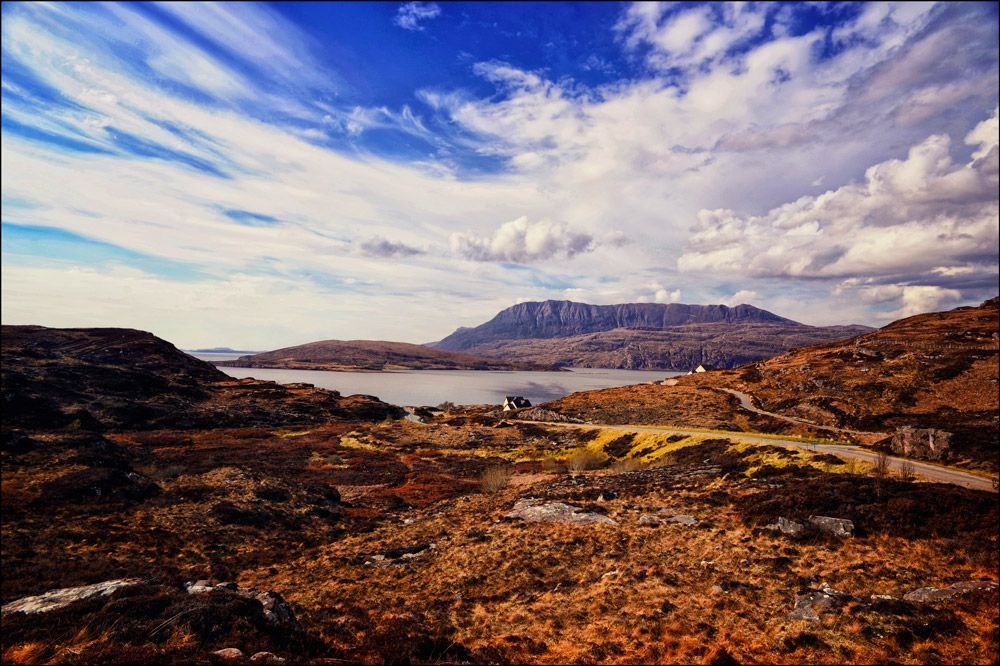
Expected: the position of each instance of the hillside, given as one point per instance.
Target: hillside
(678, 348)
(114, 378)
(246, 522)
(372, 356)
(932, 371)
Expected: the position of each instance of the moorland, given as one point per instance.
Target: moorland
(292, 523)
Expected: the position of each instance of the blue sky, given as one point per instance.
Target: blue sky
(258, 175)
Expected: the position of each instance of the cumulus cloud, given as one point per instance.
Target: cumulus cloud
(410, 14)
(741, 297)
(907, 216)
(376, 246)
(521, 241)
(914, 300)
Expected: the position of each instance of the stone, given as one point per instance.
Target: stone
(838, 526)
(810, 601)
(229, 653)
(930, 594)
(556, 512)
(266, 658)
(64, 596)
(683, 519)
(277, 611)
(786, 526)
(926, 443)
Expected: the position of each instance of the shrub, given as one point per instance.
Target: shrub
(494, 478)
(625, 465)
(907, 471)
(881, 470)
(583, 460)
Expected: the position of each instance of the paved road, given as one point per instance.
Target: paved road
(929, 472)
(747, 404)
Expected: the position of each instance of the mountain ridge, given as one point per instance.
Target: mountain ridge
(556, 319)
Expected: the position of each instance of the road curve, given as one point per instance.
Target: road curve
(747, 404)
(929, 472)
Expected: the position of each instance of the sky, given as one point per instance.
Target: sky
(264, 175)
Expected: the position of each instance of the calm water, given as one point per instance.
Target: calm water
(463, 387)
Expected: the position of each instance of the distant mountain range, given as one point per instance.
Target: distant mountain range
(373, 356)
(638, 336)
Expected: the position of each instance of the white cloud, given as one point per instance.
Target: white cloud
(522, 241)
(907, 216)
(913, 300)
(743, 296)
(410, 14)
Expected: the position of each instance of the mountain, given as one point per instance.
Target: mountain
(638, 336)
(677, 348)
(122, 379)
(561, 319)
(372, 356)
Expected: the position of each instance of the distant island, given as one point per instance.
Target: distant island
(375, 356)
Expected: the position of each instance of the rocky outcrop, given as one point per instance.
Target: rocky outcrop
(923, 443)
(809, 602)
(837, 526)
(54, 599)
(786, 526)
(931, 594)
(120, 379)
(277, 611)
(530, 511)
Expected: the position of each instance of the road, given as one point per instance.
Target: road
(747, 404)
(929, 472)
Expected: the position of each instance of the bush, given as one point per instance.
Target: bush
(583, 460)
(494, 478)
(625, 465)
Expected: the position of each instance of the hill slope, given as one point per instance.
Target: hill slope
(677, 348)
(115, 379)
(932, 371)
(372, 356)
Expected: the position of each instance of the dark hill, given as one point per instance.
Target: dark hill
(372, 356)
(559, 319)
(120, 379)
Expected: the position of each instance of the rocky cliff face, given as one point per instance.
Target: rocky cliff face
(557, 319)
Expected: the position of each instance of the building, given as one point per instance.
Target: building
(515, 402)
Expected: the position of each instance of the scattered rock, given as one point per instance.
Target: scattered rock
(786, 526)
(266, 658)
(277, 611)
(65, 596)
(556, 512)
(838, 526)
(808, 602)
(229, 654)
(683, 519)
(930, 594)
